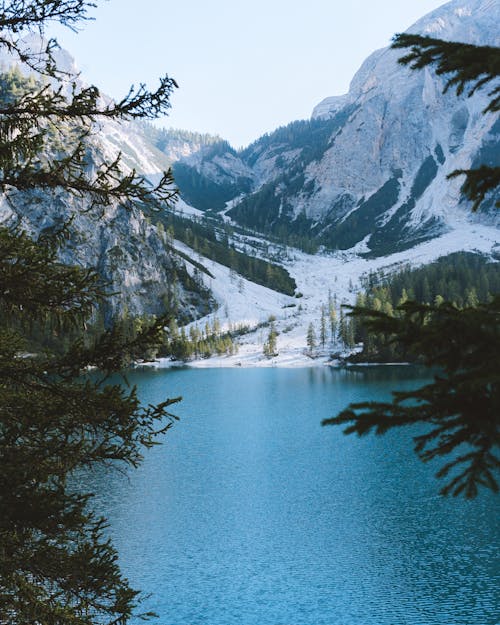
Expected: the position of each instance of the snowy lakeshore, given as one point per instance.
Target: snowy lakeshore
(338, 275)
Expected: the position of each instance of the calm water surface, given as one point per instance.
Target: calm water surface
(251, 513)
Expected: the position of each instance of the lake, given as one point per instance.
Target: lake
(251, 513)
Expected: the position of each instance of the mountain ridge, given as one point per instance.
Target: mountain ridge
(364, 175)
(392, 120)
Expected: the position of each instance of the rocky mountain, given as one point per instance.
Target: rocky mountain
(138, 267)
(368, 170)
(212, 176)
(137, 262)
(366, 173)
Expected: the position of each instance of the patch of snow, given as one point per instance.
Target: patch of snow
(241, 302)
(183, 208)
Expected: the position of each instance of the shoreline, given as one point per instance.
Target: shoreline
(231, 362)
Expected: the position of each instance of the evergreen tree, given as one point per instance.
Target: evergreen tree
(323, 327)
(311, 340)
(56, 565)
(332, 315)
(460, 407)
(271, 344)
(438, 300)
(346, 328)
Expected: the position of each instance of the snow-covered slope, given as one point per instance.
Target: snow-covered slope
(366, 175)
(243, 303)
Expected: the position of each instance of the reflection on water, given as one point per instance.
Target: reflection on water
(251, 513)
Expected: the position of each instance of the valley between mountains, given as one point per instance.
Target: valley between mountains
(244, 303)
(273, 237)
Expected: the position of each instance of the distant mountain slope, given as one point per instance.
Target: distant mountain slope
(211, 176)
(367, 172)
(369, 169)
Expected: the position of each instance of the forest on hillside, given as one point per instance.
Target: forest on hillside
(464, 279)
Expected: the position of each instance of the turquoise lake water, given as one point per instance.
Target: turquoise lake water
(251, 513)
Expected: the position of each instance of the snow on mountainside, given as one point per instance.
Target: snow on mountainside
(219, 165)
(245, 303)
(132, 139)
(468, 21)
(365, 176)
(369, 169)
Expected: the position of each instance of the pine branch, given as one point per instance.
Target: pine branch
(107, 183)
(478, 183)
(461, 407)
(18, 15)
(34, 284)
(86, 104)
(29, 143)
(56, 565)
(111, 352)
(468, 65)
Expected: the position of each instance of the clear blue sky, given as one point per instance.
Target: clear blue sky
(243, 68)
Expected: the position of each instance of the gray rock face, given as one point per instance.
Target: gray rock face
(137, 268)
(132, 255)
(213, 175)
(403, 120)
(369, 169)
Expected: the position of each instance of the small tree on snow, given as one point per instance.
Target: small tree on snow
(311, 340)
(271, 344)
(323, 327)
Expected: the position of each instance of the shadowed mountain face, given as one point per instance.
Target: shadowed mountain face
(369, 168)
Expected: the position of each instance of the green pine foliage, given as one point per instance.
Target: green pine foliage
(323, 327)
(270, 348)
(163, 137)
(332, 315)
(456, 277)
(57, 564)
(205, 193)
(264, 212)
(269, 210)
(346, 331)
(311, 340)
(311, 136)
(47, 333)
(467, 68)
(363, 220)
(212, 242)
(464, 279)
(198, 342)
(394, 235)
(460, 407)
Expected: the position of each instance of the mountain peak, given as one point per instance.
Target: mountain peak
(468, 21)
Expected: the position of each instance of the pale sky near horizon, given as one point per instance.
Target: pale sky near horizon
(243, 68)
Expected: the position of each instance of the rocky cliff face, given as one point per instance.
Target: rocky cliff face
(213, 175)
(139, 270)
(134, 258)
(369, 169)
